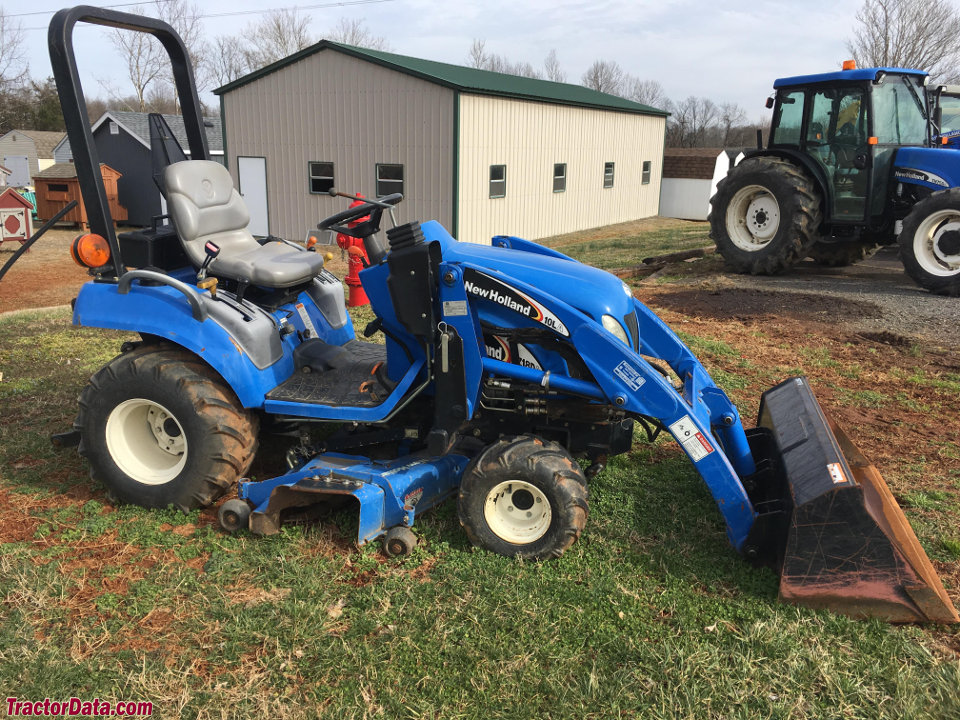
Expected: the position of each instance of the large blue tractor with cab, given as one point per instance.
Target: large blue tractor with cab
(506, 376)
(855, 160)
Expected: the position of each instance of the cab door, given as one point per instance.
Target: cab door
(838, 140)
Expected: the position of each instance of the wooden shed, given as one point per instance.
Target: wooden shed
(15, 217)
(58, 185)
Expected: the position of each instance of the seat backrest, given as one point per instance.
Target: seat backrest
(204, 206)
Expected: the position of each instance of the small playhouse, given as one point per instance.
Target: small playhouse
(15, 217)
(58, 185)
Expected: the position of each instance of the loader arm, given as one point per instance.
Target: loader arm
(700, 417)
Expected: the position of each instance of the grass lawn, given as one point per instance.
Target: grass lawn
(650, 615)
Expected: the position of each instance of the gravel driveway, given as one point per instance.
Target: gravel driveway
(904, 308)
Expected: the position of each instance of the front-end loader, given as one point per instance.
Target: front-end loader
(504, 371)
(855, 160)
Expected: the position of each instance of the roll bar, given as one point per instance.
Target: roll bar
(73, 103)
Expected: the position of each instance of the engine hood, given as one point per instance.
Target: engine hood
(936, 168)
(594, 292)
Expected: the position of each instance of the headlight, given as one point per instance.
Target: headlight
(613, 325)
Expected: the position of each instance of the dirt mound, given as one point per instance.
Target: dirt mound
(742, 303)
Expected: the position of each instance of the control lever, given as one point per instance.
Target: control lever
(203, 282)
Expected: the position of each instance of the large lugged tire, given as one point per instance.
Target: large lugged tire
(523, 497)
(842, 253)
(159, 427)
(930, 243)
(765, 216)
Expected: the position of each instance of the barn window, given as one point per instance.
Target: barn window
(389, 179)
(559, 177)
(645, 176)
(608, 175)
(114, 128)
(57, 187)
(498, 181)
(321, 177)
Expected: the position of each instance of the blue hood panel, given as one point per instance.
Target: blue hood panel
(937, 168)
(592, 291)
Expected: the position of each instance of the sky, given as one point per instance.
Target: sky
(728, 51)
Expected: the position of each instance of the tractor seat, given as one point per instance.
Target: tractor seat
(205, 208)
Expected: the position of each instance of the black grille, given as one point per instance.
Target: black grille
(634, 327)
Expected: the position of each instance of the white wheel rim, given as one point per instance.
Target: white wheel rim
(517, 512)
(146, 441)
(753, 218)
(935, 244)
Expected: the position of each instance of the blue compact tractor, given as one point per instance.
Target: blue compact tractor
(856, 159)
(504, 377)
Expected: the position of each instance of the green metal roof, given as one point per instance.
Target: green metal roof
(462, 78)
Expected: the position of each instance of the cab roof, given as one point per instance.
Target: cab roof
(860, 74)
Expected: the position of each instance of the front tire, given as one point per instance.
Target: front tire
(764, 216)
(523, 497)
(930, 243)
(160, 428)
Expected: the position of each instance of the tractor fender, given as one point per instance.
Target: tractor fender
(931, 168)
(808, 165)
(247, 354)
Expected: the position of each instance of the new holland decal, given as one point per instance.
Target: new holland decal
(485, 287)
(920, 176)
(499, 348)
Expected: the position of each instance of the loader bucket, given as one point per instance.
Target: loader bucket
(845, 544)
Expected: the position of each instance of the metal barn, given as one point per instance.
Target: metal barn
(482, 152)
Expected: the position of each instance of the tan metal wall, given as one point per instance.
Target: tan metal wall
(332, 107)
(529, 138)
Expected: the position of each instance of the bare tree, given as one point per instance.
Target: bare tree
(918, 34)
(280, 33)
(227, 60)
(477, 56)
(353, 32)
(730, 117)
(691, 121)
(645, 92)
(13, 54)
(552, 69)
(604, 76)
(146, 60)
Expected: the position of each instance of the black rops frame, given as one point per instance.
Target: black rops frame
(86, 159)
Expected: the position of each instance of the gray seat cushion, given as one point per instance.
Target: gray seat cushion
(205, 208)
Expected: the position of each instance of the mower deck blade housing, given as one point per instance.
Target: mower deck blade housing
(848, 546)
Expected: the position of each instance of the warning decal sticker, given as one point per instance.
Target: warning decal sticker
(630, 375)
(485, 287)
(836, 473)
(692, 440)
(307, 323)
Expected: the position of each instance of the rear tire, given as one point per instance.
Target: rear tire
(523, 497)
(160, 428)
(842, 253)
(764, 216)
(930, 243)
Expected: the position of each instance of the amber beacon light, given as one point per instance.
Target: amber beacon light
(90, 250)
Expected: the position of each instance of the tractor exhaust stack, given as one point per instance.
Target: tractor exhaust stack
(842, 541)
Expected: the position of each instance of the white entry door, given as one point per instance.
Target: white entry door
(253, 188)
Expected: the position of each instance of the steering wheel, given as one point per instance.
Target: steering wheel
(338, 222)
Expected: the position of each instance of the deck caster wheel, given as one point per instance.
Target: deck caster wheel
(399, 541)
(234, 515)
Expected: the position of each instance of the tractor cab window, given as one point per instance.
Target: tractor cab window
(837, 138)
(949, 114)
(899, 116)
(787, 118)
